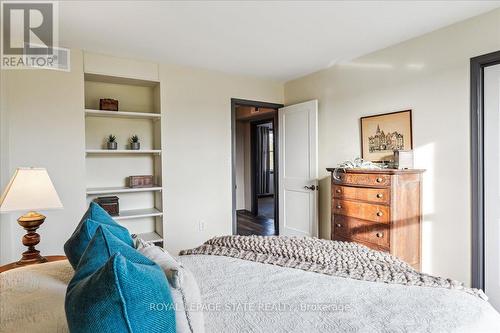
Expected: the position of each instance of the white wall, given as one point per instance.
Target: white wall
(240, 164)
(243, 166)
(198, 156)
(5, 246)
(42, 111)
(248, 167)
(429, 74)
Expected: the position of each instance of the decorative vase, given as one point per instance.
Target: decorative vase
(135, 145)
(112, 145)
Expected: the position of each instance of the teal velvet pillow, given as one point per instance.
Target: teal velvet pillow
(117, 289)
(94, 217)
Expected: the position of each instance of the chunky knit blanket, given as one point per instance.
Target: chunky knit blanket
(342, 259)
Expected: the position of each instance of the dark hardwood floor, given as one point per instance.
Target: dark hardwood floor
(249, 224)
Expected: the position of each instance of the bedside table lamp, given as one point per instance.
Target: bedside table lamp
(30, 189)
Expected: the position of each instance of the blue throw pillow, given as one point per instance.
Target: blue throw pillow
(94, 217)
(117, 289)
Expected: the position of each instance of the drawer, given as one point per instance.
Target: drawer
(363, 231)
(369, 245)
(376, 195)
(361, 210)
(363, 179)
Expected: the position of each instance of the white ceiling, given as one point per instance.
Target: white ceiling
(273, 39)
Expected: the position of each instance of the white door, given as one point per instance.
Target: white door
(492, 183)
(298, 169)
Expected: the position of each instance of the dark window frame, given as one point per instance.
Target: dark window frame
(477, 66)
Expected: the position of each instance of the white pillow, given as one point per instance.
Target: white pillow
(185, 290)
(162, 258)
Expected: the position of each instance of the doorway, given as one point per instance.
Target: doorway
(255, 167)
(485, 144)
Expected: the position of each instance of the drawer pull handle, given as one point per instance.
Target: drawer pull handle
(379, 180)
(339, 206)
(339, 225)
(380, 234)
(338, 190)
(380, 213)
(379, 195)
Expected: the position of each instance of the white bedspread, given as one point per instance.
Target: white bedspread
(32, 298)
(245, 296)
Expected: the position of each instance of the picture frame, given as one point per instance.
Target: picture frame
(382, 134)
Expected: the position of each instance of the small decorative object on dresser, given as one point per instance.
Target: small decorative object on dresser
(403, 159)
(140, 181)
(30, 189)
(108, 104)
(380, 209)
(109, 204)
(134, 143)
(111, 143)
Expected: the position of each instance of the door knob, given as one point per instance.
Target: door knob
(312, 187)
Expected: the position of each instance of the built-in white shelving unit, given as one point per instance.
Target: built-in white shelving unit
(141, 209)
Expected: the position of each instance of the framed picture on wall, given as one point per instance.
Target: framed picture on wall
(382, 134)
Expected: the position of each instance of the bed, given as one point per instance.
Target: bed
(245, 296)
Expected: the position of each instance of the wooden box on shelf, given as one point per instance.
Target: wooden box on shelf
(109, 204)
(140, 181)
(108, 104)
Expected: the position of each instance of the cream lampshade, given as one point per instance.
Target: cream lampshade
(30, 189)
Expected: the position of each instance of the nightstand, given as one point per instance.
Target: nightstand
(13, 265)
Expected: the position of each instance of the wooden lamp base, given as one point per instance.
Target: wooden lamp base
(31, 222)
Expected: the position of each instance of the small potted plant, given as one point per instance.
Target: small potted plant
(111, 143)
(134, 143)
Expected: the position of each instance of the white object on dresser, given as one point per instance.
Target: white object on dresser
(403, 159)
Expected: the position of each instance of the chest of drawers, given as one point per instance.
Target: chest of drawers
(380, 209)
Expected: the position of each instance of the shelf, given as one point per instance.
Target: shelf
(151, 237)
(138, 213)
(122, 151)
(109, 190)
(135, 81)
(121, 114)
